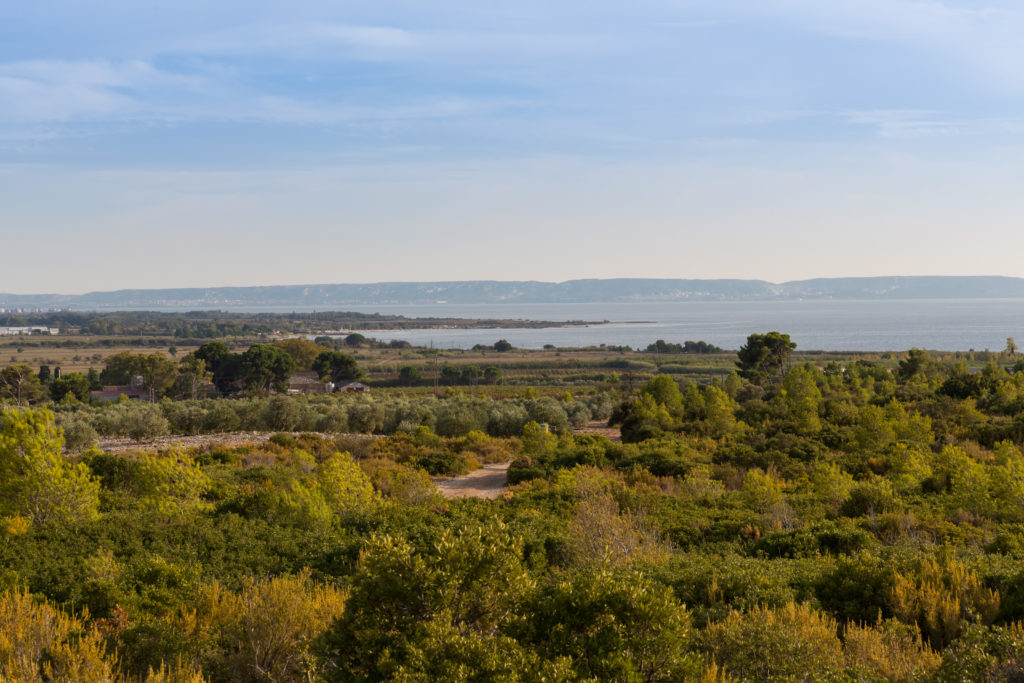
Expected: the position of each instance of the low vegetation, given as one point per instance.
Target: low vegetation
(844, 519)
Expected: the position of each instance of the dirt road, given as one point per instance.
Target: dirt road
(490, 481)
(601, 427)
(227, 439)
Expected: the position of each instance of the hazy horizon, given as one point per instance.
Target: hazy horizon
(179, 145)
(598, 281)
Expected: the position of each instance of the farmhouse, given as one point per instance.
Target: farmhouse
(133, 390)
(308, 382)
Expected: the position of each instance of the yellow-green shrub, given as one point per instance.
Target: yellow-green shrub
(791, 642)
(40, 643)
(265, 631)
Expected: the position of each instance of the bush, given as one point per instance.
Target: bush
(578, 414)
(36, 482)
(616, 626)
(549, 411)
(366, 418)
(334, 421)
(506, 419)
(281, 414)
(866, 498)
(983, 654)
(793, 642)
(457, 417)
(266, 631)
(143, 421)
(220, 417)
(39, 643)
(79, 435)
(889, 651)
(405, 485)
(942, 598)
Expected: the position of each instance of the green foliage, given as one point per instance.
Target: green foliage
(169, 481)
(792, 642)
(265, 632)
(142, 422)
(468, 581)
(19, 384)
(944, 596)
(36, 482)
(70, 386)
(302, 351)
(344, 486)
(336, 366)
(763, 358)
(847, 523)
(614, 626)
(888, 651)
(40, 643)
(537, 440)
(981, 654)
(264, 368)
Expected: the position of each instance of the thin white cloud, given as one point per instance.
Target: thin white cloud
(985, 37)
(288, 110)
(382, 37)
(42, 91)
(901, 124)
(296, 40)
(333, 41)
(35, 94)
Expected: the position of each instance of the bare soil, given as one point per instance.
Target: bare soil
(227, 439)
(601, 428)
(490, 481)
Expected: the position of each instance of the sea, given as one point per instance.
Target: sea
(828, 325)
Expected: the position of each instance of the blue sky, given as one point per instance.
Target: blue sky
(186, 143)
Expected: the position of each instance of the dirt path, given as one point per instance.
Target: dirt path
(490, 481)
(602, 428)
(228, 439)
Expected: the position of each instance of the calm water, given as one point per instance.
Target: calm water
(947, 324)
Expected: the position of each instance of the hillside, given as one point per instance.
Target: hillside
(333, 296)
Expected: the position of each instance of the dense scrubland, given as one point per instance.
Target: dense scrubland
(801, 518)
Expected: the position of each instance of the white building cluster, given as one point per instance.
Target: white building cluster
(14, 331)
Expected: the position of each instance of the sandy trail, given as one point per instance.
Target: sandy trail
(490, 481)
(601, 427)
(226, 439)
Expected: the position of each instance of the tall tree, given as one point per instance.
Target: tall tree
(213, 353)
(355, 339)
(917, 362)
(19, 384)
(764, 357)
(119, 369)
(337, 367)
(194, 373)
(302, 350)
(266, 368)
(225, 366)
(157, 372)
(74, 383)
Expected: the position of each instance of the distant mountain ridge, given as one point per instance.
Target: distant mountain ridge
(337, 296)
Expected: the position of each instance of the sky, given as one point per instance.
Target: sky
(188, 143)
